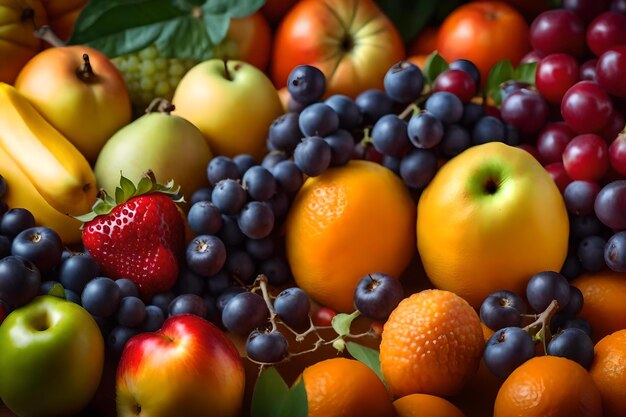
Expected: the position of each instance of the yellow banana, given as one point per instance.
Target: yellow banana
(58, 171)
(21, 193)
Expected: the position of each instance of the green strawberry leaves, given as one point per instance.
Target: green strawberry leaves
(127, 190)
(185, 29)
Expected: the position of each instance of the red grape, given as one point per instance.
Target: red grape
(556, 73)
(606, 31)
(617, 154)
(586, 107)
(586, 157)
(552, 141)
(532, 56)
(530, 149)
(457, 82)
(618, 6)
(585, 9)
(614, 126)
(525, 109)
(558, 30)
(611, 69)
(558, 174)
(587, 71)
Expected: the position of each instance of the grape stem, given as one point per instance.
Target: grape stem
(262, 279)
(540, 328)
(410, 110)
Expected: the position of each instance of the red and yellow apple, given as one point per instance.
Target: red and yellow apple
(232, 103)
(248, 39)
(18, 42)
(187, 368)
(62, 15)
(351, 41)
(77, 83)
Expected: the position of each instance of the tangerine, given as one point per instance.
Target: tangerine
(344, 224)
(425, 405)
(341, 387)
(603, 307)
(432, 343)
(548, 386)
(608, 371)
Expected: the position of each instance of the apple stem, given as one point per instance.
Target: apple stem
(85, 72)
(45, 33)
(226, 71)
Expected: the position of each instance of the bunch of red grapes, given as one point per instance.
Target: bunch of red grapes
(575, 118)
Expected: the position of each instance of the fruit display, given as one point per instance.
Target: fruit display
(275, 208)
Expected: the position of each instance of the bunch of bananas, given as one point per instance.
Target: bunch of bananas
(45, 172)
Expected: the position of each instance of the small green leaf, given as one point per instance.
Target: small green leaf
(435, 65)
(57, 291)
(368, 356)
(119, 194)
(341, 322)
(217, 26)
(295, 403)
(144, 185)
(526, 72)
(128, 189)
(501, 72)
(102, 208)
(269, 395)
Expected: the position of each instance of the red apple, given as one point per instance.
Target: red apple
(187, 368)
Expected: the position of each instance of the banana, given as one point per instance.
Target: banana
(22, 193)
(57, 170)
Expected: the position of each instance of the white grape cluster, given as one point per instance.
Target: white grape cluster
(149, 75)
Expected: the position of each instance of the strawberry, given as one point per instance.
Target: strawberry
(139, 235)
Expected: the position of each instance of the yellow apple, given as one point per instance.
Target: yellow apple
(80, 92)
(232, 103)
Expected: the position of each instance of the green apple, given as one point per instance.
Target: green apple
(233, 104)
(51, 358)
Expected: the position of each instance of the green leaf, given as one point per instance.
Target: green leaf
(368, 356)
(145, 185)
(57, 291)
(408, 16)
(501, 72)
(341, 322)
(179, 28)
(269, 395)
(128, 187)
(526, 72)
(435, 65)
(295, 404)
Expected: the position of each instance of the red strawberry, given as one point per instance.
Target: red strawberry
(140, 235)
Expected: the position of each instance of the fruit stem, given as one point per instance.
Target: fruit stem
(85, 72)
(268, 301)
(543, 324)
(410, 110)
(226, 71)
(45, 33)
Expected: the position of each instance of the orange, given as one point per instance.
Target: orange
(608, 371)
(548, 386)
(490, 219)
(485, 33)
(603, 307)
(424, 405)
(432, 343)
(348, 222)
(341, 387)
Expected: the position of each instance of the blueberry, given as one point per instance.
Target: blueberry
(276, 270)
(256, 220)
(230, 234)
(154, 319)
(188, 282)
(225, 296)
(284, 132)
(163, 300)
(206, 255)
(318, 120)
(261, 249)
(131, 312)
(376, 295)
(244, 162)
(574, 344)
(293, 306)
(445, 106)
(488, 129)
(472, 112)
(288, 175)
(418, 168)
(374, 104)
(313, 156)
(306, 84)
(244, 312)
(101, 297)
(201, 194)
(259, 183)
(15, 220)
(221, 167)
(46, 286)
(404, 82)
(273, 158)
(455, 140)
(5, 246)
(264, 347)
(117, 339)
(127, 287)
(19, 280)
(188, 304)
(425, 130)
(72, 296)
(341, 146)
(591, 253)
(349, 114)
(502, 309)
(204, 218)
(240, 265)
(217, 283)
(76, 270)
(390, 137)
(507, 349)
(228, 197)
